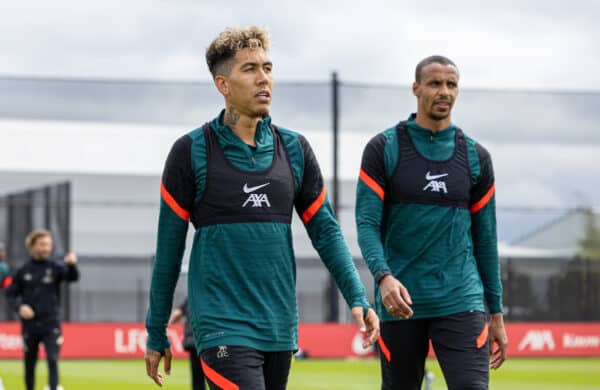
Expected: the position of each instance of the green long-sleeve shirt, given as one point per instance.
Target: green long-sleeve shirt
(241, 281)
(446, 256)
(4, 272)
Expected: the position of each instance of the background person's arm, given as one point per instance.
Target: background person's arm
(178, 313)
(14, 292)
(69, 271)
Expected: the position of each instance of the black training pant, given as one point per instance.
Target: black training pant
(196, 370)
(52, 339)
(460, 342)
(233, 367)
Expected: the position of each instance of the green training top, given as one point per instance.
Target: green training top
(4, 271)
(447, 257)
(241, 280)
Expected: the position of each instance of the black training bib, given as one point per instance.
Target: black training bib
(232, 195)
(417, 179)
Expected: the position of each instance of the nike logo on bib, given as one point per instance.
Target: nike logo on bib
(248, 190)
(257, 200)
(429, 176)
(435, 185)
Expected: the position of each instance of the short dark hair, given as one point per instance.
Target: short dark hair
(435, 59)
(224, 47)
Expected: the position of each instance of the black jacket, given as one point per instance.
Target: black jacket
(188, 336)
(37, 284)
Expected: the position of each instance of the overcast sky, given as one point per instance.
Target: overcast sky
(509, 44)
(522, 45)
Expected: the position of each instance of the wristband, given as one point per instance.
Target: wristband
(380, 275)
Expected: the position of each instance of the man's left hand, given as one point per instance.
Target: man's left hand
(498, 341)
(369, 325)
(70, 258)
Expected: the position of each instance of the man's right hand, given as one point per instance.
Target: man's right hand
(26, 312)
(395, 297)
(152, 361)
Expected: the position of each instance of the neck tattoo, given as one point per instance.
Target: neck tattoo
(231, 117)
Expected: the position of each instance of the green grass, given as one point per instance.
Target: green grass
(516, 374)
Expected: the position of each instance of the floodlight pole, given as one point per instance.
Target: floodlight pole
(332, 291)
(335, 124)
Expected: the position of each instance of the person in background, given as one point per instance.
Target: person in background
(35, 296)
(5, 279)
(177, 315)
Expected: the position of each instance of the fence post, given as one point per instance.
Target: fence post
(67, 240)
(507, 288)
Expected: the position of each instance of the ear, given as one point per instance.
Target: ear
(415, 89)
(222, 84)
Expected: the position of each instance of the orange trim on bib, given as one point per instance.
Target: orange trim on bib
(371, 183)
(314, 207)
(172, 203)
(483, 201)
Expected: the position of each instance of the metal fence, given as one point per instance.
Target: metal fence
(551, 289)
(115, 287)
(117, 290)
(20, 212)
(534, 289)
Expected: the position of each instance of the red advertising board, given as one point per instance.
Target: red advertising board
(553, 339)
(114, 340)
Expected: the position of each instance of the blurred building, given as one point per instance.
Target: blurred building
(562, 235)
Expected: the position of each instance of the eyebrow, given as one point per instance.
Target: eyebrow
(245, 64)
(440, 79)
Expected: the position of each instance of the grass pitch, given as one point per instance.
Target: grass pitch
(516, 374)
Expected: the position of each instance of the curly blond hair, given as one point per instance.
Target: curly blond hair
(224, 47)
(34, 236)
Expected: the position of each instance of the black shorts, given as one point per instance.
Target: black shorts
(242, 368)
(460, 342)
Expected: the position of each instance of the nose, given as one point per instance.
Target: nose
(262, 77)
(444, 90)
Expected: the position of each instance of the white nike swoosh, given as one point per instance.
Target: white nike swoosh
(248, 190)
(429, 176)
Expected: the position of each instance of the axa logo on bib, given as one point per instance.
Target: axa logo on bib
(537, 340)
(434, 184)
(254, 199)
